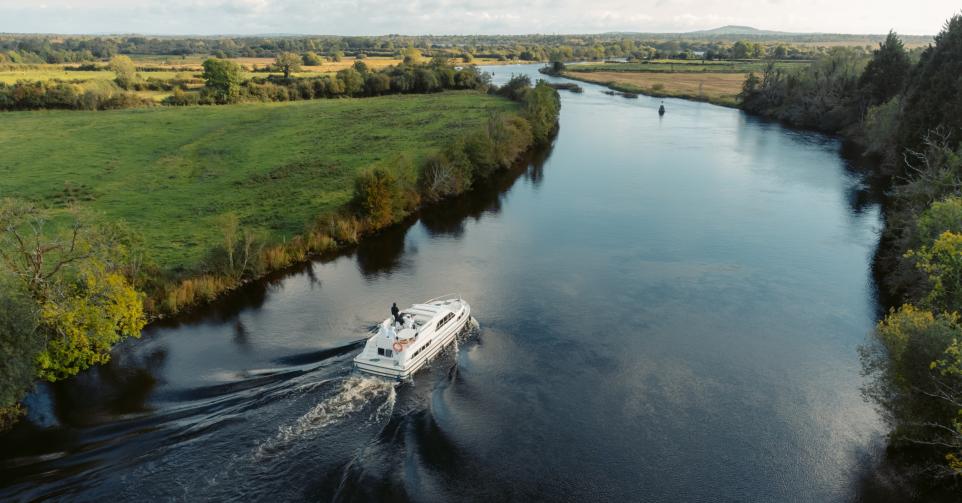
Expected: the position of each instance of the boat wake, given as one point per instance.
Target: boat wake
(357, 395)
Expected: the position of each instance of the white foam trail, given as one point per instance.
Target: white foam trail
(355, 394)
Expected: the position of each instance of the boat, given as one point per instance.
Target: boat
(661, 109)
(400, 346)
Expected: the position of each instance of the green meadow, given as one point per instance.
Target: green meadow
(170, 172)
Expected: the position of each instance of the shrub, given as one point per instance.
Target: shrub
(881, 126)
(541, 107)
(942, 263)
(99, 310)
(311, 58)
(375, 194)
(944, 215)
(906, 361)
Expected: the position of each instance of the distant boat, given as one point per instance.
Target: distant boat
(661, 109)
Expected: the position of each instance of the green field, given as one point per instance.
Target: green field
(684, 66)
(170, 172)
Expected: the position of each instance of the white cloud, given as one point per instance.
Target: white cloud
(467, 16)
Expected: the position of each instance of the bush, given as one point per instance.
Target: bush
(942, 263)
(376, 192)
(541, 108)
(904, 362)
(881, 127)
(311, 58)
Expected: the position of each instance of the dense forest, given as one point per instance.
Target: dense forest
(905, 110)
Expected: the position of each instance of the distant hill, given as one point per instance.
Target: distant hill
(736, 30)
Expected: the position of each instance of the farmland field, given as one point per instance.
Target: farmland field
(173, 67)
(719, 88)
(685, 66)
(170, 172)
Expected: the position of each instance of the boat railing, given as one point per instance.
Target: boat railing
(447, 296)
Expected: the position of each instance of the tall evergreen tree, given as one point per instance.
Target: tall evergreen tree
(933, 96)
(885, 74)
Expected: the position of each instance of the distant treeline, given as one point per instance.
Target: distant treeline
(906, 111)
(34, 49)
(224, 83)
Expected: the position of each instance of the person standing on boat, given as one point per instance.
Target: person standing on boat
(396, 313)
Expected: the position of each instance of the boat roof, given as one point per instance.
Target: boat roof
(425, 312)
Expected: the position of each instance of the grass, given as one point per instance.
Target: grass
(717, 82)
(191, 67)
(684, 66)
(170, 172)
(718, 88)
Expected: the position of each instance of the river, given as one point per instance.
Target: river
(669, 309)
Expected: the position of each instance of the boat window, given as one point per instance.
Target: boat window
(388, 352)
(380, 351)
(444, 320)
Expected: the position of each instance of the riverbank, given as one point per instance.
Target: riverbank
(217, 200)
(716, 88)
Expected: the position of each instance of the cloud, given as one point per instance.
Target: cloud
(361, 17)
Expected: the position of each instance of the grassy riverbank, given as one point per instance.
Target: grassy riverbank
(172, 172)
(717, 88)
(110, 218)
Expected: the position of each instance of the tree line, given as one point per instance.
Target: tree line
(225, 82)
(39, 49)
(905, 110)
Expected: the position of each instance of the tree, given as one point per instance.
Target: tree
(375, 193)
(311, 58)
(336, 56)
(885, 74)
(541, 107)
(34, 253)
(351, 81)
(944, 215)
(94, 312)
(222, 79)
(741, 49)
(376, 84)
(911, 364)
(75, 275)
(942, 263)
(126, 72)
(360, 66)
(932, 92)
(288, 62)
(412, 56)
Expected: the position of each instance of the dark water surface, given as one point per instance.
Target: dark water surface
(669, 310)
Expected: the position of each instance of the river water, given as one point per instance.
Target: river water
(669, 309)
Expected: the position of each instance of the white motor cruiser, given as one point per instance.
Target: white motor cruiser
(404, 344)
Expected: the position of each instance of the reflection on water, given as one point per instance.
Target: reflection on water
(669, 310)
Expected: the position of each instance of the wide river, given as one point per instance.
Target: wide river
(669, 309)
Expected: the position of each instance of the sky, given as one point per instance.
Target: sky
(417, 17)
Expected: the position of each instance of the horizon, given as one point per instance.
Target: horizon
(762, 32)
(236, 18)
